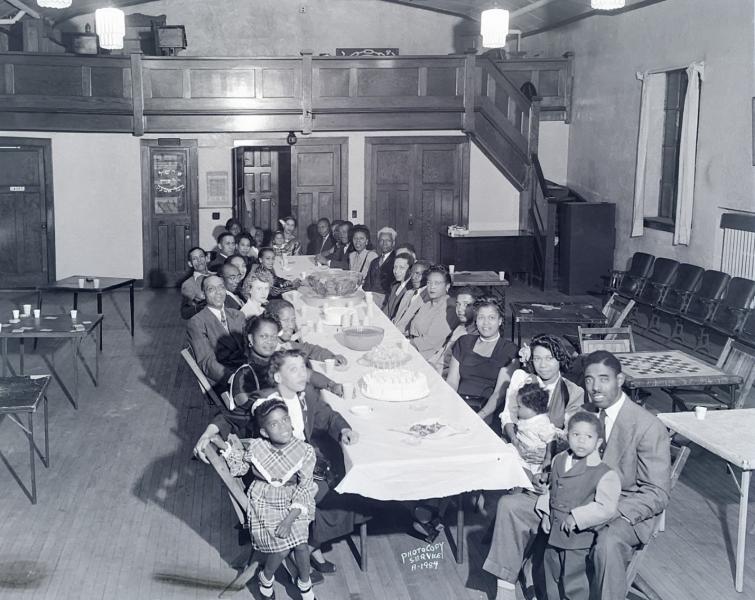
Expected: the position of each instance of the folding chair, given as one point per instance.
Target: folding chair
(657, 285)
(702, 304)
(225, 402)
(746, 333)
(615, 311)
(612, 339)
(674, 301)
(679, 455)
(730, 313)
(629, 283)
(735, 359)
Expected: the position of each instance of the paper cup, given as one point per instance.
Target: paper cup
(37, 313)
(27, 310)
(330, 365)
(74, 314)
(502, 275)
(451, 269)
(81, 282)
(349, 391)
(700, 412)
(96, 283)
(16, 314)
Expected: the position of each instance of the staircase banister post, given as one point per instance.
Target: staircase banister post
(306, 91)
(470, 80)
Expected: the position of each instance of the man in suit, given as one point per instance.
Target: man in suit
(380, 275)
(226, 248)
(339, 258)
(215, 334)
(323, 244)
(192, 297)
(637, 447)
(231, 280)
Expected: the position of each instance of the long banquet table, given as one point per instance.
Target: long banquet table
(387, 464)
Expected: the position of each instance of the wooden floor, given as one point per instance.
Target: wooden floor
(124, 513)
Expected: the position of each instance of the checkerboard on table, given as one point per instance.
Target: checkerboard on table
(663, 363)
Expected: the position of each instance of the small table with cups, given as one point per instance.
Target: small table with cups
(389, 463)
(73, 326)
(81, 284)
(729, 435)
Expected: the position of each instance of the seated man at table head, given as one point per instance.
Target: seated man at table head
(323, 243)
(361, 257)
(215, 334)
(226, 247)
(290, 336)
(231, 280)
(192, 296)
(402, 275)
(637, 447)
(380, 274)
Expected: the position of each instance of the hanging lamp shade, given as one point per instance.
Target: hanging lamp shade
(54, 3)
(608, 4)
(111, 27)
(494, 27)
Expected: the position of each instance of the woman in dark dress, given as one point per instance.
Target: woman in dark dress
(482, 364)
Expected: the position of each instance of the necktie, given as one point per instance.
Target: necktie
(303, 404)
(223, 322)
(602, 417)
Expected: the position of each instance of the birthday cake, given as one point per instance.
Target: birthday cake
(394, 385)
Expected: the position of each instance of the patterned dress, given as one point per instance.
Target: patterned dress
(283, 481)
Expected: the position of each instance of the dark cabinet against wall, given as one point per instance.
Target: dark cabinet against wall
(509, 251)
(587, 237)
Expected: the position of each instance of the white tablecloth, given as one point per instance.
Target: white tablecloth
(389, 465)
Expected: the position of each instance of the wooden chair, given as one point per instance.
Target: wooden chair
(613, 339)
(746, 334)
(679, 455)
(736, 359)
(615, 310)
(225, 402)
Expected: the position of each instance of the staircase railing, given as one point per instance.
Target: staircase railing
(543, 215)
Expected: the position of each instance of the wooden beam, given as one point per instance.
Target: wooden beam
(24, 7)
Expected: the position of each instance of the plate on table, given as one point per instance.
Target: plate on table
(361, 410)
(430, 429)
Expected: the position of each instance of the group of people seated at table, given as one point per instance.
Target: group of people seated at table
(599, 469)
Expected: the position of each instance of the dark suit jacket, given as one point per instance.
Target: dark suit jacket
(217, 353)
(217, 261)
(316, 246)
(231, 303)
(379, 277)
(639, 451)
(340, 257)
(393, 299)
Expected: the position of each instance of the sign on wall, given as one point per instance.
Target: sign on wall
(217, 189)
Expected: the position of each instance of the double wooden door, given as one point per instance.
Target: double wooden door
(27, 242)
(170, 209)
(417, 185)
(307, 180)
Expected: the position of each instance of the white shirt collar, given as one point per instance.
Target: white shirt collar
(217, 312)
(613, 411)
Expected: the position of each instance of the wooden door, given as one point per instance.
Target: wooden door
(417, 185)
(170, 209)
(27, 241)
(318, 182)
(257, 200)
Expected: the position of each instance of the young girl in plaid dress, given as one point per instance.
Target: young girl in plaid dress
(282, 495)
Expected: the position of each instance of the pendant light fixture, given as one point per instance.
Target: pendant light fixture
(494, 27)
(607, 4)
(111, 27)
(54, 3)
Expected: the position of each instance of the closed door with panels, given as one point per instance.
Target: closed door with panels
(27, 244)
(257, 184)
(417, 185)
(170, 209)
(317, 183)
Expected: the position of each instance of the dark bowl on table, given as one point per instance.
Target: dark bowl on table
(362, 339)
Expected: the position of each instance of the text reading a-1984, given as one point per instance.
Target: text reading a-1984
(423, 557)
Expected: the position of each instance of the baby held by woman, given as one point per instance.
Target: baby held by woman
(534, 430)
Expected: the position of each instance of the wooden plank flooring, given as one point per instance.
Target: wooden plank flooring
(124, 513)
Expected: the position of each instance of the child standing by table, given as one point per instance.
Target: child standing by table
(282, 495)
(584, 494)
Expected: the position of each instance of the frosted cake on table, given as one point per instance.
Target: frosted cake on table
(394, 385)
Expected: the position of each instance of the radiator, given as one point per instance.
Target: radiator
(738, 253)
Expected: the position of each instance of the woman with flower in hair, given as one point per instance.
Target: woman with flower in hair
(545, 361)
(282, 494)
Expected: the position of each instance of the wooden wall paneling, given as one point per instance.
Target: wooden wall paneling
(138, 93)
(306, 92)
(222, 83)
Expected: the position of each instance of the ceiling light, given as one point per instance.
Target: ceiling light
(494, 27)
(54, 3)
(111, 27)
(607, 4)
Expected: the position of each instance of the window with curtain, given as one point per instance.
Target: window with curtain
(666, 151)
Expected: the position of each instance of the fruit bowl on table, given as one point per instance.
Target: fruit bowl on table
(362, 338)
(334, 283)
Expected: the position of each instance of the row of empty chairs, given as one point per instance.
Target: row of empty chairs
(687, 297)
